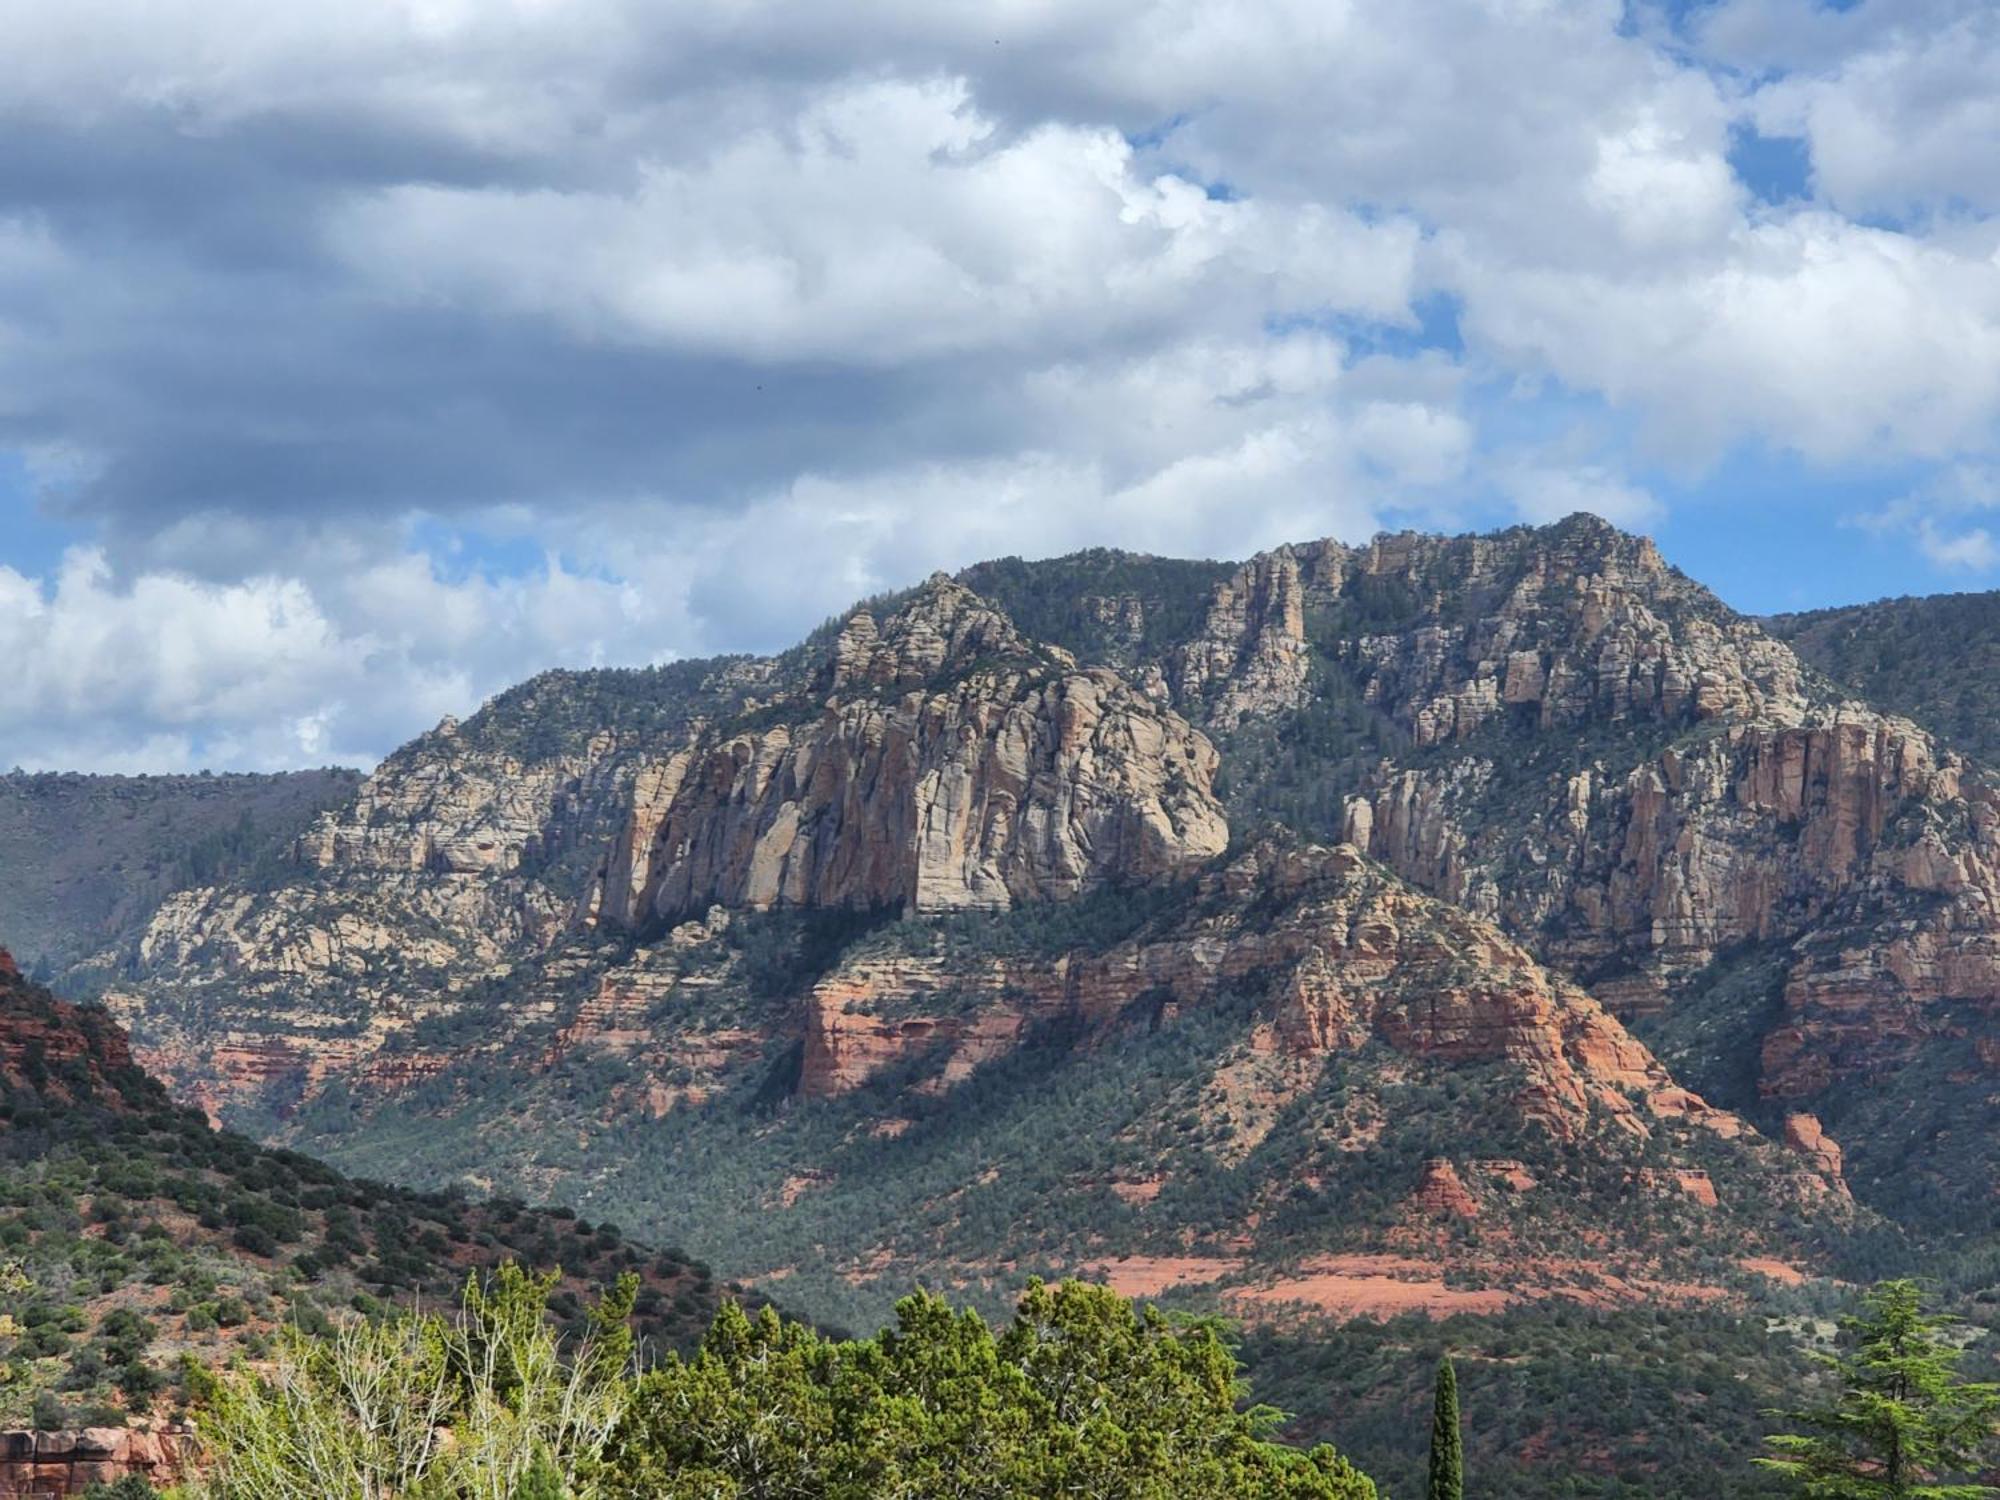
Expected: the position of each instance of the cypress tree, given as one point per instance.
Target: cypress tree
(1447, 1451)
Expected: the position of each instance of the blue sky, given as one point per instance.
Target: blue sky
(359, 359)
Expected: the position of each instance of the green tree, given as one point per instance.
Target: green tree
(1447, 1471)
(542, 1481)
(1904, 1423)
(461, 1408)
(1082, 1396)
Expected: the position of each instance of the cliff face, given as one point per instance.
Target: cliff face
(950, 764)
(1263, 1066)
(55, 1465)
(1603, 759)
(61, 1054)
(1570, 738)
(1347, 957)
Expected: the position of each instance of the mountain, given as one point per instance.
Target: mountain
(143, 1234)
(1936, 659)
(1474, 927)
(86, 860)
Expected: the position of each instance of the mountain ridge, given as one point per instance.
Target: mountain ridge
(1461, 925)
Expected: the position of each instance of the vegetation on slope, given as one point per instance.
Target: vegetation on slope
(1934, 659)
(85, 860)
(139, 1235)
(1081, 1395)
(1120, 608)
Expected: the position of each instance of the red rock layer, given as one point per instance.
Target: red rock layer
(1345, 952)
(56, 1465)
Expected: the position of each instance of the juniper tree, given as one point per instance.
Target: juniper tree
(1447, 1449)
(1903, 1423)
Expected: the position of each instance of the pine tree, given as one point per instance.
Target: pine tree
(1447, 1449)
(1904, 1424)
(541, 1481)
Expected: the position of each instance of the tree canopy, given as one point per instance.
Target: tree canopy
(1903, 1423)
(1081, 1395)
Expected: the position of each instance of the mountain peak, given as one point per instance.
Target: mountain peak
(942, 625)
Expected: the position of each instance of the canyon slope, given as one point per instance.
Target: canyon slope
(1792, 895)
(1310, 892)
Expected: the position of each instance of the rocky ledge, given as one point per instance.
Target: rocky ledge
(55, 1465)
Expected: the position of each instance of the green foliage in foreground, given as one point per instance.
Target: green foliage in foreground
(484, 1405)
(1903, 1423)
(1082, 1395)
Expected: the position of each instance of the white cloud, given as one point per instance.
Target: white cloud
(730, 313)
(169, 672)
(1938, 519)
(1972, 551)
(1542, 492)
(1832, 338)
(888, 223)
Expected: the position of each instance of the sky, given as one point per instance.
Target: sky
(361, 357)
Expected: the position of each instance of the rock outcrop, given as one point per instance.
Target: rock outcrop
(1533, 786)
(1441, 1194)
(62, 1053)
(1611, 764)
(930, 759)
(1250, 658)
(951, 765)
(57, 1465)
(1822, 1153)
(1346, 954)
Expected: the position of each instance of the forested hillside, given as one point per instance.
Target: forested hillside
(1935, 658)
(132, 1233)
(86, 860)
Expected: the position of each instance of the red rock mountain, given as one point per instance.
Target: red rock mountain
(1442, 924)
(1487, 794)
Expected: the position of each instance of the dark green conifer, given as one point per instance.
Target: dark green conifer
(1447, 1451)
(1903, 1423)
(541, 1482)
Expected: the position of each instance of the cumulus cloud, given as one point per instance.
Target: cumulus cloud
(1942, 519)
(687, 324)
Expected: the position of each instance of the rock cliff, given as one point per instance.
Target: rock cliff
(1347, 955)
(1532, 788)
(950, 765)
(63, 1054)
(57, 1465)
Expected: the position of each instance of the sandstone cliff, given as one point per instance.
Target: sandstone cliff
(1347, 954)
(1614, 778)
(951, 764)
(57, 1465)
(64, 1054)
(1609, 763)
